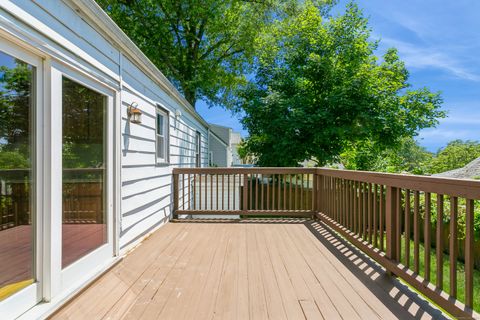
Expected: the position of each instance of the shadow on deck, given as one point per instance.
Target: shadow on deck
(247, 269)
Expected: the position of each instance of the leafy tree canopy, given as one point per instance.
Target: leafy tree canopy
(204, 47)
(407, 156)
(455, 155)
(319, 90)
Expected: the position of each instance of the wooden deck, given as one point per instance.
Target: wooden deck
(264, 269)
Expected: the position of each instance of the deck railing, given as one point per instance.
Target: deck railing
(245, 191)
(418, 228)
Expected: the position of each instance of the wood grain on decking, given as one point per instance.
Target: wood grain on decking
(283, 269)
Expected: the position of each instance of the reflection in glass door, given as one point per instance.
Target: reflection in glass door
(17, 216)
(84, 171)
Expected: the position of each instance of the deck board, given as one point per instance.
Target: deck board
(268, 269)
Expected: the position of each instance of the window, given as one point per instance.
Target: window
(17, 168)
(198, 149)
(162, 134)
(84, 222)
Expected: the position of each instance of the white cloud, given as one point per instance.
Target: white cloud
(419, 57)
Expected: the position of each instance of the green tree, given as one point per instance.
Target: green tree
(455, 155)
(204, 47)
(15, 114)
(405, 157)
(320, 90)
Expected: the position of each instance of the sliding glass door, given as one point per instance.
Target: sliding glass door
(86, 181)
(84, 223)
(19, 214)
(56, 179)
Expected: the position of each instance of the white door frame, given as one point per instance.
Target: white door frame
(83, 269)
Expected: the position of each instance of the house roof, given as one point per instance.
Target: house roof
(470, 171)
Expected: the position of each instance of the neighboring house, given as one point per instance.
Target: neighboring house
(87, 180)
(470, 171)
(222, 146)
(235, 140)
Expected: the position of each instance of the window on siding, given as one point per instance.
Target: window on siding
(162, 135)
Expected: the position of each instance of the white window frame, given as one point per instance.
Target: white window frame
(166, 135)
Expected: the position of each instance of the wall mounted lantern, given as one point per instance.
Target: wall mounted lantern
(178, 114)
(134, 114)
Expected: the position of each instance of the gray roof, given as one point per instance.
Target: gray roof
(470, 171)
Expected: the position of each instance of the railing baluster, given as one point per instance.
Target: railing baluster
(175, 195)
(296, 188)
(216, 192)
(234, 191)
(364, 210)
(189, 194)
(407, 228)
(439, 241)
(382, 218)
(223, 191)
(279, 191)
(290, 207)
(268, 192)
(416, 232)
(369, 210)
(398, 224)
(256, 192)
(205, 182)
(469, 207)
(273, 192)
(211, 191)
(427, 235)
(200, 191)
(262, 193)
(228, 192)
(375, 215)
(245, 193)
(453, 252)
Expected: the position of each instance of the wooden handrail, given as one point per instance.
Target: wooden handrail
(234, 170)
(382, 214)
(464, 188)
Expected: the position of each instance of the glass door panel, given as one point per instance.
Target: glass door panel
(17, 216)
(84, 225)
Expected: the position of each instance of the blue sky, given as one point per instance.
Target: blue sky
(440, 43)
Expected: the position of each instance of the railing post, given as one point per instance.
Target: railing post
(315, 193)
(320, 194)
(175, 195)
(390, 222)
(245, 193)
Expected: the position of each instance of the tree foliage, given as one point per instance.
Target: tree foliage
(455, 155)
(15, 114)
(204, 47)
(407, 156)
(319, 90)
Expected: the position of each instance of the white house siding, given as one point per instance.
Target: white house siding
(76, 35)
(146, 186)
(219, 151)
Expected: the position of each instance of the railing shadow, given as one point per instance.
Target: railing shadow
(395, 295)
